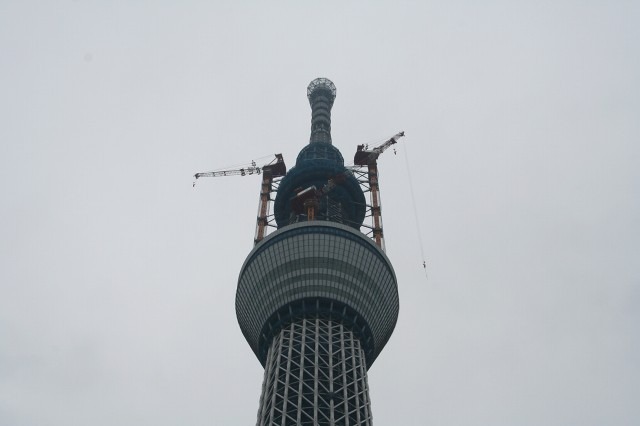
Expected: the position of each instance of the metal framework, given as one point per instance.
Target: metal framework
(266, 220)
(271, 177)
(368, 180)
(315, 375)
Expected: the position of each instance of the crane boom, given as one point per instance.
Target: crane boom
(242, 172)
(394, 139)
(365, 156)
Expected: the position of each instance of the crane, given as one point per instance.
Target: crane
(365, 157)
(275, 169)
(249, 170)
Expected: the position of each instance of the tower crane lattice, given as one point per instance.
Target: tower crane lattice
(249, 170)
(368, 158)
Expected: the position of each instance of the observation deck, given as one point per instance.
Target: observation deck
(317, 269)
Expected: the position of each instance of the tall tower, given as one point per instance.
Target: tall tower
(317, 300)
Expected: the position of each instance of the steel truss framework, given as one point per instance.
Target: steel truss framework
(267, 196)
(315, 375)
(363, 176)
(373, 207)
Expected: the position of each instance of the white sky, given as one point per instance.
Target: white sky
(118, 278)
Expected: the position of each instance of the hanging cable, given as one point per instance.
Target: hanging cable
(415, 210)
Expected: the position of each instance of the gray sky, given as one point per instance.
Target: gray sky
(118, 278)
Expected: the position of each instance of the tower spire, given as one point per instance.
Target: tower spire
(321, 93)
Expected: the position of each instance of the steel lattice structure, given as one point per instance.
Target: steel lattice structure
(317, 299)
(315, 375)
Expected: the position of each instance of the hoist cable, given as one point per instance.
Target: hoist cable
(415, 209)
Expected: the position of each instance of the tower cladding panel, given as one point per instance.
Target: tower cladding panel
(317, 300)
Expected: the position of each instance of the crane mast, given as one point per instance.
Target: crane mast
(369, 158)
(270, 172)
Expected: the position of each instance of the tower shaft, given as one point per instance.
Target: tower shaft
(321, 93)
(315, 375)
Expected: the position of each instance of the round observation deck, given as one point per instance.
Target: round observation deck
(317, 270)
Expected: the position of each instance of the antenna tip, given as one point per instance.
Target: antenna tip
(321, 85)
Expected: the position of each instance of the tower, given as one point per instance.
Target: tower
(317, 300)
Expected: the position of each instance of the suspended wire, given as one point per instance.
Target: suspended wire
(415, 210)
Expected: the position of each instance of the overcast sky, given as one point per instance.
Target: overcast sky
(118, 278)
